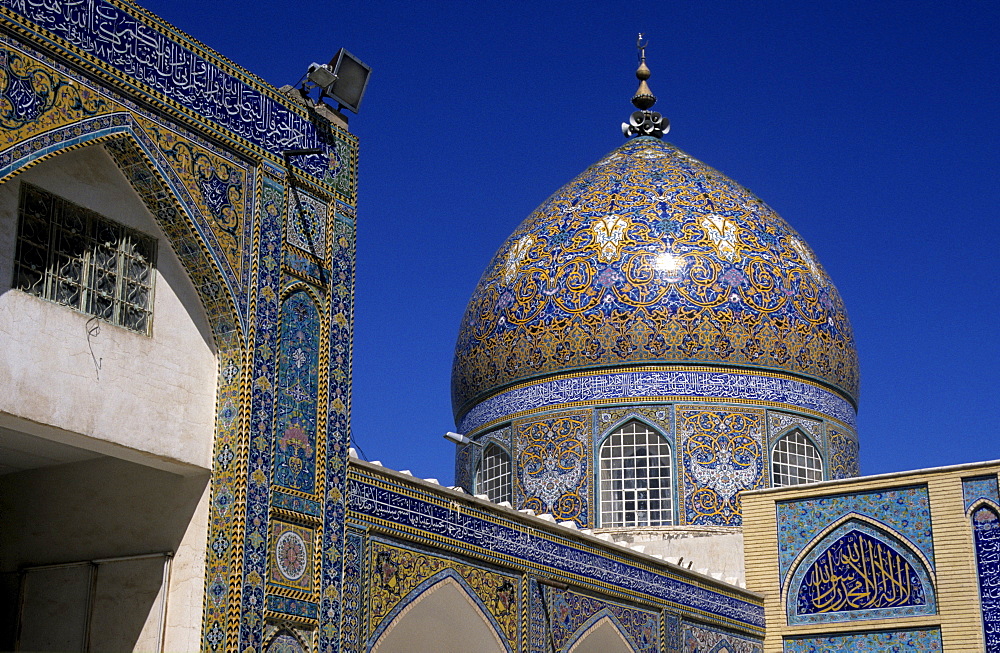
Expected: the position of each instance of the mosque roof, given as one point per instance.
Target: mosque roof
(651, 257)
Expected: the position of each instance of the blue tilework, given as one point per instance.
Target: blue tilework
(980, 487)
(722, 454)
(369, 500)
(986, 534)
(572, 614)
(905, 641)
(305, 224)
(293, 607)
(656, 384)
(844, 460)
(538, 633)
(553, 466)
(285, 643)
(340, 321)
(650, 256)
(298, 387)
(352, 631)
(857, 572)
(673, 633)
(702, 639)
(294, 503)
(262, 419)
(904, 511)
(189, 75)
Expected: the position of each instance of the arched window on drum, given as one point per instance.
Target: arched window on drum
(794, 460)
(636, 478)
(493, 474)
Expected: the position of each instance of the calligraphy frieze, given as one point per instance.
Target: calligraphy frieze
(374, 502)
(135, 49)
(986, 533)
(658, 383)
(857, 572)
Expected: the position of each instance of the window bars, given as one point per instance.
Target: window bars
(636, 483)
(75, 257)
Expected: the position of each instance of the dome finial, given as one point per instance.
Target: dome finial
(644, 98)
(644, 122)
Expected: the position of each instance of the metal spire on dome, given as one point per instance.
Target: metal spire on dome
(644, 122)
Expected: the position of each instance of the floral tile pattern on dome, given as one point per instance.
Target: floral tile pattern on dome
(722, 453)
(650, 256)
(553, 464)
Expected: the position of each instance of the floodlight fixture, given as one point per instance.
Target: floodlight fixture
(458, 438)
(344, 79)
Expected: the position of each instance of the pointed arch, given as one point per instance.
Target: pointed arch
(982, 502)
(602, 633)
(285, 641)
(635, 476)
(858, 568)
(153, 179)
(795, 459)
(442, 614)
(630, 416)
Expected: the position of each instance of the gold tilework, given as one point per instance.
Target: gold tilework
(650, 256)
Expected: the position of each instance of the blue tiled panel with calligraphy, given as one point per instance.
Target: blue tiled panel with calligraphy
(986, 532)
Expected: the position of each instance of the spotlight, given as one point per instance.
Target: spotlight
(458, 438)
(344, 79)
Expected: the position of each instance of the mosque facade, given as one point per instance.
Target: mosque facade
(655, 387)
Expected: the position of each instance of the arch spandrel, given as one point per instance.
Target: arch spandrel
(604, 636)
(859, 570)
(442, 614)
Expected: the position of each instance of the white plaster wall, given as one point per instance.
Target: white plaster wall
(108, 508)
(153, 395)
(716, 550)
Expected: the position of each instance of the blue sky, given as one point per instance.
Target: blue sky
(872, 128)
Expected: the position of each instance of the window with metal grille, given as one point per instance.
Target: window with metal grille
(73, 256)
(795, 460)
(493, 478)
(636, 488)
